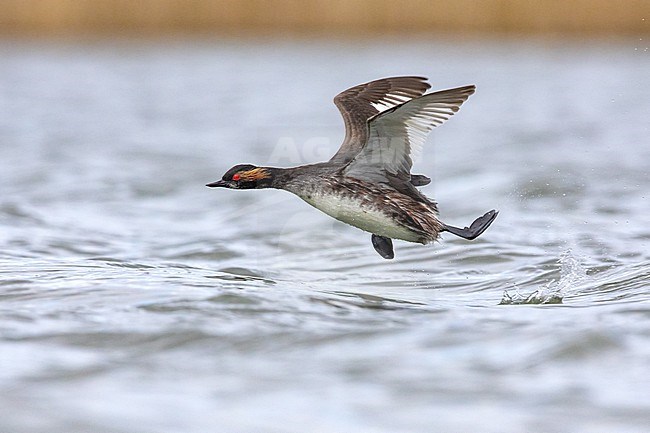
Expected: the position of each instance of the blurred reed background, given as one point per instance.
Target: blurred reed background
(341, 17)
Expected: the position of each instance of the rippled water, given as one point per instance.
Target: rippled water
(134, 299)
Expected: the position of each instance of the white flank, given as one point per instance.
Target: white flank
(351, 211)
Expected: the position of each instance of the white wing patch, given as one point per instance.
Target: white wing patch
(400, 131)
(389, 101)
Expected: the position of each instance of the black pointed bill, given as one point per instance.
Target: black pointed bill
(220, 184)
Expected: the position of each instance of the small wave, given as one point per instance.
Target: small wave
(572, 273)
(537, 297)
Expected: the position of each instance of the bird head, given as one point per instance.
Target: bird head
(244, 176)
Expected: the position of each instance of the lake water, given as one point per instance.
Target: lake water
(135, 299)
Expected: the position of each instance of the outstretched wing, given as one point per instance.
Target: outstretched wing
(395, 133)
(360, 103)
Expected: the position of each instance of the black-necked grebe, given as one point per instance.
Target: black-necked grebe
(368, 182)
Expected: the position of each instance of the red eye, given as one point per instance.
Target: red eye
(236, 176)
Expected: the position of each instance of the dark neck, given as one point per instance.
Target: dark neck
(279, 177)
(285, 178)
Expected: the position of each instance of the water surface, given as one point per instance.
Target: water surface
(134, 299)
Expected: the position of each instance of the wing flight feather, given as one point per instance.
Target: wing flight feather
(360, 103)
(394, 134)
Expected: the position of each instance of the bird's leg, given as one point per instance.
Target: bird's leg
(479, 225)
(419, 180)
(384, 246)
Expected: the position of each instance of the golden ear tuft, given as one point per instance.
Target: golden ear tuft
(254, 174)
